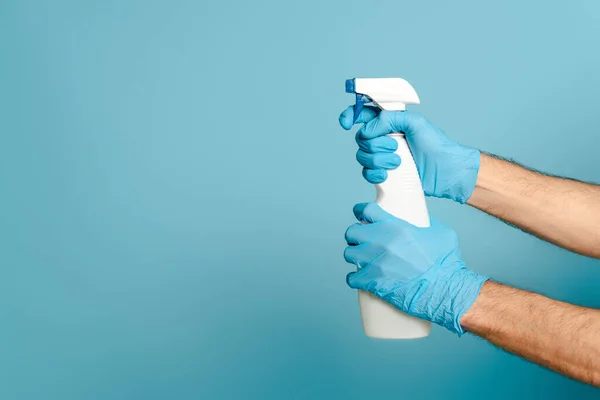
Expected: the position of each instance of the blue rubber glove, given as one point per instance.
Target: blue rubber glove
(446, 168)
(417, 270)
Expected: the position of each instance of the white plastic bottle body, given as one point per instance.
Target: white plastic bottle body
(402, 196)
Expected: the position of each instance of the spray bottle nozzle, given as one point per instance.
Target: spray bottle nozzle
(350, 86)
(386, 93)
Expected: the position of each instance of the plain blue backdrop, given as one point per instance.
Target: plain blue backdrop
(174, 189)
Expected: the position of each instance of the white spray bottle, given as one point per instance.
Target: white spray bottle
(401, 195)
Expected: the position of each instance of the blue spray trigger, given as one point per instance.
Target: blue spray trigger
(361, 100)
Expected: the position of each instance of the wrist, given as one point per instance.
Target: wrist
(461, 291)
(493, 298)
(493, 180)
(485, 175)
(474, 316)
(467, 174)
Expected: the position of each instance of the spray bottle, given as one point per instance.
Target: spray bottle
(401, 195)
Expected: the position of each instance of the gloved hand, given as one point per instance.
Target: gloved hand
(417, 270)
(446, 168)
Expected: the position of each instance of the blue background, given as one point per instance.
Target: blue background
(174, 189)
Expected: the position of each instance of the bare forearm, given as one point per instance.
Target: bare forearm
(562, 211)
(556, 335)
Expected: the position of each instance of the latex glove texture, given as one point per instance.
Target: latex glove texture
(417, 270)
(447, 169)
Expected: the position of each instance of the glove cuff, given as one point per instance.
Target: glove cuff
(461, 289)
(471, 286)
(467, 175)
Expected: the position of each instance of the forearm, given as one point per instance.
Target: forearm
(556, 335)
(562, 211)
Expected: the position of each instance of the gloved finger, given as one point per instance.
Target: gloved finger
(378, 160)
(390, 122)
(367, 114)
(384, 124)
(393, 121)
(351, 235)
(359, 279)
(360, 233)
(382, 144)
(407, 122)
(361, 255)
(370, 212)
(374, 176)
(350, 280)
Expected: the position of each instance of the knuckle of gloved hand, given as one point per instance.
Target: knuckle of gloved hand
(365, 145)
(416, 120)
(382, 144)
(386, 115)
(358, 138)
(374, 175)
(350, 280)
(378, 160)
(386, 160)
(359, 156)
(369, 211)
(348, 235)
(347, 255)
(364, 158)
(390, 144)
